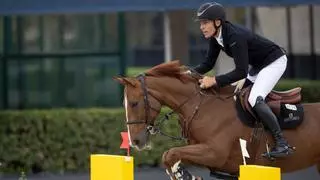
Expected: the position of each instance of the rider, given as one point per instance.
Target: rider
(257, 59)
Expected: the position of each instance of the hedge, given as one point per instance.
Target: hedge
(310, 89)
(60, 140)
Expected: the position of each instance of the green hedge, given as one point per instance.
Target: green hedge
(61, 140)
(310, 89)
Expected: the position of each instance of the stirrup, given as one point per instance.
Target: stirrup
(272, 155)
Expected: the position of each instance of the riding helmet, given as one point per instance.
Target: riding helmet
(211, 11)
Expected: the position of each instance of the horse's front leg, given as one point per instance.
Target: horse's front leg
(199, 154)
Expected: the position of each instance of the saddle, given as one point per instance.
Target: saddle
(286, 105)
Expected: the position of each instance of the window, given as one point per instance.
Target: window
(30, 34)
(46, 70)
(1, 35)
(1, 66)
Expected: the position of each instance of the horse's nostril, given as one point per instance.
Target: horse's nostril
(136, 141)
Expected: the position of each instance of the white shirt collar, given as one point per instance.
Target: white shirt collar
(219, 38)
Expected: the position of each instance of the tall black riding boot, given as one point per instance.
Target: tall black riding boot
(268, 118)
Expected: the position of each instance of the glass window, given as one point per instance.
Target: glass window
(1, 35)
(70, 81)
(37, 78)
(51, 38)
(89, 81)
(144, 29)
(109, 32)
(13, 44)
(30, 33)
(14, 82)
(28, 83)
(1, 54)
(78, 32)
(1, 85)
(144, 38)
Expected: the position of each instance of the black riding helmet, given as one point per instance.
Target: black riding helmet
(211, 11)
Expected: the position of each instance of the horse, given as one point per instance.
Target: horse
(211, 124)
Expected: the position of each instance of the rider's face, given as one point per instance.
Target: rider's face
(207, 28)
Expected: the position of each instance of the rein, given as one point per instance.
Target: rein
(156, 128)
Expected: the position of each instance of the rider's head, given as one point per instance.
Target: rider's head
(211, 16)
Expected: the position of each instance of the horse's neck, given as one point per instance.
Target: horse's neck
(172, 92)
(186, 100)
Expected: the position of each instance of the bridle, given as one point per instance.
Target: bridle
(155, 129)
(147, 106)
(151, 128)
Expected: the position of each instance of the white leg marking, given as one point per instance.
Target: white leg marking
(175, 168)
(167, 171)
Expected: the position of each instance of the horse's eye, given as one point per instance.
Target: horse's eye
(134, 104)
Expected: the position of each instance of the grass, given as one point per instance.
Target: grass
(134, 71)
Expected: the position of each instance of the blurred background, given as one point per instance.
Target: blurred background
(58, 102)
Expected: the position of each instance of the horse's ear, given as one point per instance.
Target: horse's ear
(124, 80)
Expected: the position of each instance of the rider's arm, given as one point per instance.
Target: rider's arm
(239, 49)
(211, 58)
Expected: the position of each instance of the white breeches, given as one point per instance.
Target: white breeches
(266, 79)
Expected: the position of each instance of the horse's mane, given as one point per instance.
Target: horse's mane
(170, 69)
(174, 69)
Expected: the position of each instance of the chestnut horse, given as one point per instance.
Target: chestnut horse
(210, 123)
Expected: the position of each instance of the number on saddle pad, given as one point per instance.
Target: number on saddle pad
(291, 115)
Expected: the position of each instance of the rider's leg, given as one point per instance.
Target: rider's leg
(270, 120)
(264, 82)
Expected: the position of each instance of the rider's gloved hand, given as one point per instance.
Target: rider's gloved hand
(207, 82)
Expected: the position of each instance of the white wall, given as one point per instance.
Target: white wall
(316, 23)
(273, 25)
(300, 27)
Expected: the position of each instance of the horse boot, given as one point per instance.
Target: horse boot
(181, 173)
(265, 114)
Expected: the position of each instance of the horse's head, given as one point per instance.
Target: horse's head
(141, 110)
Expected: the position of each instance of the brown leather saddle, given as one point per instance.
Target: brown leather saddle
(285, 105)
